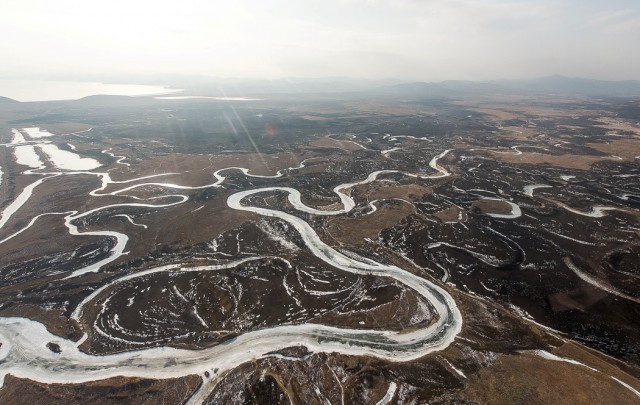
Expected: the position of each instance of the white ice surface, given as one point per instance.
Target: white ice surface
(66, 160)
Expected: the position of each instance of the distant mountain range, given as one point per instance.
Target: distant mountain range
(357, 88)
(564, 85)
(559, 85)
(7, 100)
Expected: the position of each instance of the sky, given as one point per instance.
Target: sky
(429, 40)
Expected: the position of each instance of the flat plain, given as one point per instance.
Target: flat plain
(480, 249)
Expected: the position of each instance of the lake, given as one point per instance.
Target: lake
(47, 90)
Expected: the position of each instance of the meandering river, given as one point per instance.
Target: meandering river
(24, 351)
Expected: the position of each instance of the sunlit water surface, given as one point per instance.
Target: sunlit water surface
(46, 90)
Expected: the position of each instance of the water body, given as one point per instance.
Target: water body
(207, 98)
(25, 154)
(18, 138)
(597, 211)
(66, 160)
(47, 90)
(36, 132)
(528, 190)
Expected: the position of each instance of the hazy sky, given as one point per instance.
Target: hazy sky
(405, 39)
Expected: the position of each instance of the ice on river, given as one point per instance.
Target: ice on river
(26, 155)
(36, 132)
(18, 138)
(67, 160)
(24, 353)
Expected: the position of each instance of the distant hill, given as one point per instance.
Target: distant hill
(7, 100)
(448, 88)
(416, 89)
(466, 86)
(108, 100)
(245, 87)
(547, 85)
(578, 86)
(358, 88)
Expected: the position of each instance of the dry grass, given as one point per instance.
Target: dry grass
(314, 168)
(492, 206)
(314, 118)
(37, 241)
(61, 128)
(212, 219)
(518, 133)
(327, 142)
(626, 148)
(499, 113)
(383, 190)
(374, 107)
(579, 162)
(393, 315)
(592, 358)
(522, 106)
(174, 226)
(355, 230)
(450, 214)
(616, 124)
(110, 391)
(59, 194)
(198, 169)
(530, 379)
